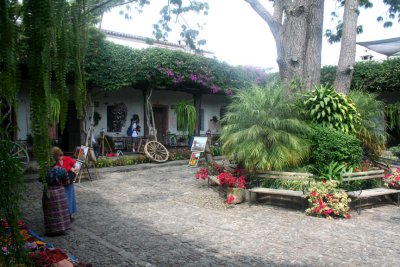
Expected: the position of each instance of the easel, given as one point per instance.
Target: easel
(206, 151)
(84, 165)
(89, 158)
(103, 137)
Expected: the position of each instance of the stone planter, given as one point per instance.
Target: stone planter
(238, 193)
(213, 180)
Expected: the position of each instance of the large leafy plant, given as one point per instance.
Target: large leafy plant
(261, 130)
(331, 109)
(372, 128)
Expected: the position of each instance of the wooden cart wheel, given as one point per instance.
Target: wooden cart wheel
(20, 153)
(156, 151)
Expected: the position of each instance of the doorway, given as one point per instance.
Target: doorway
(161, 122)
(71, 136)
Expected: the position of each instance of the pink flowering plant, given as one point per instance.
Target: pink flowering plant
(392, 179)
(327, 201)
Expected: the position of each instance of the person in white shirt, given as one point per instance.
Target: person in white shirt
(135, 131)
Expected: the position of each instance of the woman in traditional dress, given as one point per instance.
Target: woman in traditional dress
(54, 202)
(68, 164)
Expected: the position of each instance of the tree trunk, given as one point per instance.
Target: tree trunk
(297, 30)
(347, 56)
(312, 62)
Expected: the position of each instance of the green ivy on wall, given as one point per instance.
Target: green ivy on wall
(112, 67)
(372, 76)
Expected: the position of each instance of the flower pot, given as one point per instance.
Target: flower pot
(237, 193)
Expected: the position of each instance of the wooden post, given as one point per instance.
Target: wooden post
(207, 151)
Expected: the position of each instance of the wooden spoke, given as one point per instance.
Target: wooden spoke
(21, 154)
(156, 151)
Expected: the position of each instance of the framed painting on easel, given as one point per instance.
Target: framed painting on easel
(194, 159)
(199, 144)
(83, 151)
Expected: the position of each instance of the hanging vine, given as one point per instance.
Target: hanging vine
(8, 85)
(185, 116)
(392, 112)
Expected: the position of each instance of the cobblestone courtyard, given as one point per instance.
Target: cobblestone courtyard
(163, 216)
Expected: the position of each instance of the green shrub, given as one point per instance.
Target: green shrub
(395, 150)
(179, 154)
(372, 76)
(216, 150)
(331, 145)
(120, 161)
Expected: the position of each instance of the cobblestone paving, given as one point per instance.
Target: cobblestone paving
(163, 216)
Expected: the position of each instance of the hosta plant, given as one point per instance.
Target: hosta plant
(328, 201)
(329, 108)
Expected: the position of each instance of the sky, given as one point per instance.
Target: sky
(238, 36)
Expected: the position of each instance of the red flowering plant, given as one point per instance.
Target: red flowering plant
(202, 174)
(328, 201)
(234, 183)
(209, 169)
(392, 179)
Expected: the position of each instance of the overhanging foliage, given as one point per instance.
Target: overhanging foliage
(112, 67)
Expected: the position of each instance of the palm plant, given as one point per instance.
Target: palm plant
(372, 129)
(261, 129)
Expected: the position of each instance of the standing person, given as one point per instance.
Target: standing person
(54, 202)
(134, 130)
(68, 164)
(95, 146)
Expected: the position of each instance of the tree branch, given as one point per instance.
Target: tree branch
(273, 24)
(107, 2)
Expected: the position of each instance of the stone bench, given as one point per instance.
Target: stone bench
(367, 193)
(305, 177)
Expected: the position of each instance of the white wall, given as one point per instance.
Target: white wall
(23, 114)
(133, 99)
(212, 105)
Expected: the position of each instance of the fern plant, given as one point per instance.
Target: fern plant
(331, 109)
(261, 131)
(186, 116)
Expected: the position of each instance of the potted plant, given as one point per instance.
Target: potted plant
(235, 185)
(186, 116)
